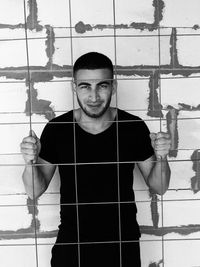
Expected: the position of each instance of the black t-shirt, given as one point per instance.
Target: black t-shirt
(96, 171)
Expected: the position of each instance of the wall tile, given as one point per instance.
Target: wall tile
(49, 217)
(62, 55)
(59, 94)
(133, 51)
(19, 255)
(144, 216)
(7, 131)
(176, 253)
(188, 42)
(90, 12)
(11, 179)
(12, 97)
(10, 34)
(151, 252)
(175, 92)
(175, 212)
(16, 13)
(187, 15)
(181, 173)
(44, 253)
(36, 52)
(188, 139)
(143, 11)
(52, 13)
(14, 218)
(133, 94)
(164, 40)
(9, 56)
(85, 45)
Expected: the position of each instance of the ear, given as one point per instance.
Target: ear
(114, 86)
(73, 86)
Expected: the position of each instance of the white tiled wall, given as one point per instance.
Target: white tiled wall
(141, 50)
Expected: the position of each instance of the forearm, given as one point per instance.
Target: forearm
(34, 181)
(159, 176)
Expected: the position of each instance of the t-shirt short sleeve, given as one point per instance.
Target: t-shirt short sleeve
(144, 146)
(48, 145)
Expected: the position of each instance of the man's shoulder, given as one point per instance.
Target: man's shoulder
(66, 117)
(126, 116)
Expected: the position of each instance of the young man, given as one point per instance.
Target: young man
(96, 148)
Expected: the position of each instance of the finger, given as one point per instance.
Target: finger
(32, 133)
(152, 136)
(29, 158)
(162, 135)
(161, 148)
(29, 152)
(162, 141)
(29, 139)
(28, 145)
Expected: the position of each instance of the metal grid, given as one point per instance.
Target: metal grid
(31, 123)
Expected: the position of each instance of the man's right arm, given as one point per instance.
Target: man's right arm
(38, 172)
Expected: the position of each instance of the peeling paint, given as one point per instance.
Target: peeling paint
(43, 74)
(183, 230)
(188, 107)
(24, 233)
(33, 210)
(32, 18)
(158, 12)
(184, 71)
(39, 106)
(154, 264)
(143, 26)
(154, 210)
(137, 70)
(154, 107)
(172, 129)
(173, 49)
(196, 27)
(12, 27)
(81, 27)
(50, 49)
(38, 73)
(195, 180)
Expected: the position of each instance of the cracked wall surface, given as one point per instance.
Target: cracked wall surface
(154, 45)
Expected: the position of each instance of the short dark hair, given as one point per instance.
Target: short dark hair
(91, 61)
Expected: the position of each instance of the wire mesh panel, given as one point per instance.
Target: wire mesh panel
(153, 46)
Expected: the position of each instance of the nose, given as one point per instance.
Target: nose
(94, 96)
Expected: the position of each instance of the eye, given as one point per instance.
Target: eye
(84, 87)
(103, 86)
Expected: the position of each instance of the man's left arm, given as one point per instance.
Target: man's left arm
(155, 169)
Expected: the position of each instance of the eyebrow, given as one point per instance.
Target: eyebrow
(86, 83)
(102, 82)
(82, 83)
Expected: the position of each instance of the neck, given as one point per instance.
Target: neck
(95, 125)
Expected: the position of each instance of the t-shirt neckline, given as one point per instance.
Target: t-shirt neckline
(100, 133)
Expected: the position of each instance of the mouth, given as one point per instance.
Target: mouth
(94, 105)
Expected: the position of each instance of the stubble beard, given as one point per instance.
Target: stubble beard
(95, 115)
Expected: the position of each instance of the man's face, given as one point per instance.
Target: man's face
(94, 89)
